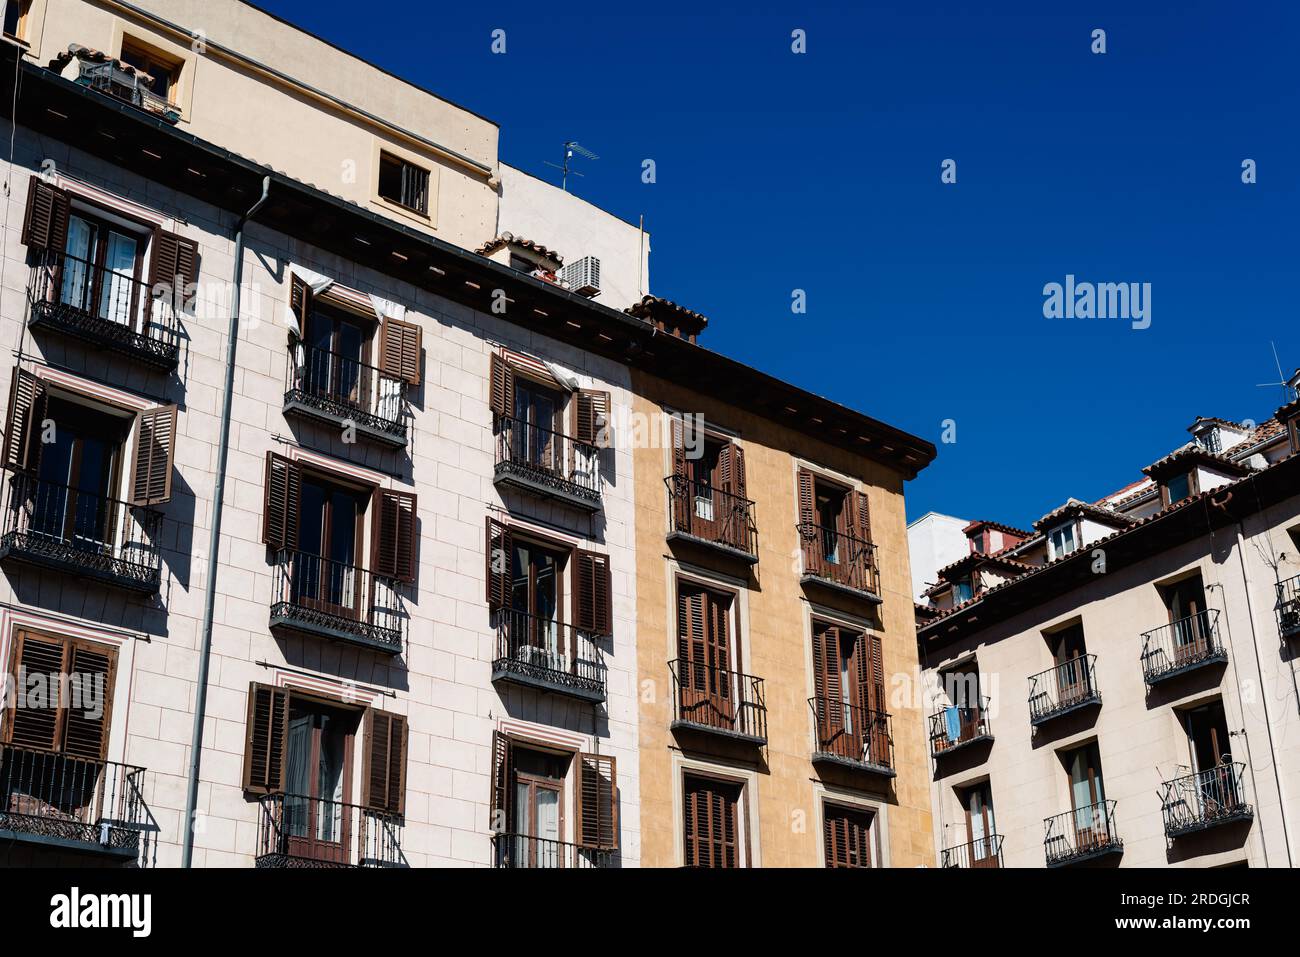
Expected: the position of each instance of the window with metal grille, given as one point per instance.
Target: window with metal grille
(404, 183)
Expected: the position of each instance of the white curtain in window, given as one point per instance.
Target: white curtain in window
(75, 270)
(119, 272)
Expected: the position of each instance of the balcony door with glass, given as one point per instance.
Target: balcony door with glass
(336, 365)
(78, 452)
(1072, 679)
(535, 441)
(1188, 620)
(100, 272)
(832, 518)
(1087, 797)
(1216, 784)
(327, 576)
(705, 479)
(536, 597)
(704, 651)
(539, 809)
(980, 828)
(318, 772)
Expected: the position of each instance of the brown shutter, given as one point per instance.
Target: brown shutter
(399, 350)
(170, 257)
(848, 837)
(394, 535)
(826, 678)
(710, 823)
(679, 450)
(502, 398)
(300, 301)
(502, 801)
(736, 485)
(45, 224)
(36, 727)
(84, 735)
(383, 784)
(283, 492)
(593, 417)
(268, 725)
(155, 450)
(498, 554)
(807, 505)
(862, 511)
(597, 825)
(592, 601)
(26, 410)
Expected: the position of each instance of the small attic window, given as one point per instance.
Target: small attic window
(1061, 541)
(404, 183)
(1211, 440)
(1177, 488)
(977, 544)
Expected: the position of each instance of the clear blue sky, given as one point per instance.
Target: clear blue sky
(821, 172)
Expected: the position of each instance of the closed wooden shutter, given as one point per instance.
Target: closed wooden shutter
(502, 387)
(592, 417)
(847, 835)
(394, 535)
(383, 783)
(266, 731)
(502, 798)
(731, 470)
(807, 504)
(36, 727)
(597, 825)
(45, 223)
(173, 261)
(709, 816)
(26, 410)
(399, 350)
(827, 656)
(679, 452)
(871, 672)
(592, 601)
(300, 301)
(283, 495)
(85, 733)
(498, 554)
(155, 450)
(862, 517)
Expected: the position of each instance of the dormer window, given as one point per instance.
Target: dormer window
(977, 544)
(1177, 488)
(962, 590)
(1061, 541)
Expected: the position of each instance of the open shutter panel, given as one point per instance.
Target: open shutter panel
(807, 510)
(173, 261)
(45, 223)
(283, 492)
(502, 398)
(597, 801)
(86, 735)
(300, 301)
(593, 417)
(863, 513)
(593, 610)
(26, 409)
(399, 350)
(501, 804)
(499, 548)
(384, 782)
(738, 488)
(155, 449)
(871, 672)
(394, 535)
(268, 723)
(36, 727)
(679, 451)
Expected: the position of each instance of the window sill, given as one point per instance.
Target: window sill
(406, 212)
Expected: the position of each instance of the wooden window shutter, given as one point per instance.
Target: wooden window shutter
(35, 727)
(384, 781)
(283, 494)
(498, 554)
(155, 451)
(502, 799)
(593, 417)
(394, 535)
(731, 468)
(870, 672)
(300, 301)
(807, 504)
(267, 730)
(679, 448)
(502, 398)
(826, 677)
(592, 601)
(399, 350)
(597, 825)
(173, 261)
(26, 410)
(45, 223)
(85, 735)
(848, 837)
(862, 511)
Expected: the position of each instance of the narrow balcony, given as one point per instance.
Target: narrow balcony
(346, 393)
(523, 851)
(70, 803)
(550, 464)
(983, 852)
(1288, 608)
(853, 737)
(1182, 646)
(548, 655)
(717, 701)
(840, 562)
(306, 832)
(316, 596)
(710, 517)
(954, 728)
(79, 533)
(110, 79)
(105, 309)
(1069, 686)
(1206, 799)
(1084, 834)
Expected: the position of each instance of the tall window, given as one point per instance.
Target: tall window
(79, 470)
(404, 183)
(101, 268)
(710, 814)
(977, 803)
(1185, 601)
(704, 651)
(329, 545)
(318, 773)
(535, 436)
(1070, 657)
(538, 807)
(337, 365)
(848, 683)
(1087, 793)
(847, 835)
(536, 594)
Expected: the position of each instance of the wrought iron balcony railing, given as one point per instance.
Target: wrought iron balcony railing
(70, 803)
(109, 78)
(1181, 646)
(545, 462)
(333, 600)
(839, 560)
(711, 516)
(547, 654)
(70, 530)
(345, 392)
(848, 734)
(1288, 607)
(298, 831)
(953, 727)
(1205, 799)
(719, 701)
(1085, 833)
(105, 308)
(521, 850)
(1066, 687)
(981, 852)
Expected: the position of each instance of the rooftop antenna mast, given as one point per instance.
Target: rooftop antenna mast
(571, 148)
(1288, 390)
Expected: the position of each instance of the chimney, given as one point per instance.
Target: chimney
(669, 317)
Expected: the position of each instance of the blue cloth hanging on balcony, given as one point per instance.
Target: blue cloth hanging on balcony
(952, 721)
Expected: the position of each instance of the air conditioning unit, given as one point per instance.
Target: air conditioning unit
(583, 276)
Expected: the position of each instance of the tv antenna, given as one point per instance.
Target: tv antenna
(571, 149)
(1288, 389)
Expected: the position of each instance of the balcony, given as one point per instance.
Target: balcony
(710, 517)
(69, 803)
(1084, 834)
(105, 309)
(983, 852)
(1206, 799)
(840, 562)
(316, 596)
(109, 78)
(1182, 646)
(520, 850)
(1070, 686)
(542, 462)
(548, 655)
(345, 393)
(305, 832)
(853, 737)
(54, 527)
(715, 701)
(1288, 608)
(954, 728)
